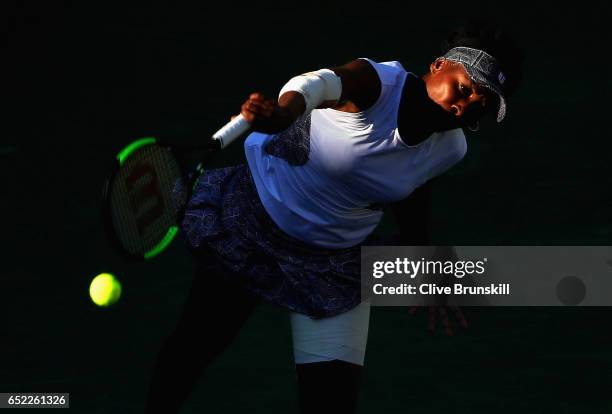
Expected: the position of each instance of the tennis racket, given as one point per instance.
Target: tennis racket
(144, 197)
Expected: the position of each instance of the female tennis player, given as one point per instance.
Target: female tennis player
(323, 159)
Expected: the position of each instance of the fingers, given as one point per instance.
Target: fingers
(432, 319)
(459, 316)
(257, 107)
(445, 321)
(260, 107)
(444, 316)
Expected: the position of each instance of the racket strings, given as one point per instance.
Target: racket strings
(144, 200)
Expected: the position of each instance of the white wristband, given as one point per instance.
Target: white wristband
(316, 87)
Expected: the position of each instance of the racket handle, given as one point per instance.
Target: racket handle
(232, 130)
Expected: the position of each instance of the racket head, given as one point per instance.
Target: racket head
(144, 199)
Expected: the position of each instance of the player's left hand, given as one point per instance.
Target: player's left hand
(441, 308)
(441, 312)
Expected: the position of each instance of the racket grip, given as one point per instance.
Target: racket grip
(232, 130)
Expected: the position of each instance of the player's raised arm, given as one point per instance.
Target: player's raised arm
(360, 85)
(354, 85)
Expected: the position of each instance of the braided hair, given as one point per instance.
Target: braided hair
(492, 39)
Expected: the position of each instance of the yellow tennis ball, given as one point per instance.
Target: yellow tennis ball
(105, 289)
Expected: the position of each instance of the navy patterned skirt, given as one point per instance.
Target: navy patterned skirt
(225, 216)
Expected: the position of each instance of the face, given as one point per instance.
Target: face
(449, 85)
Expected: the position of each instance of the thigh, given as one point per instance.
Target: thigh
(342, 337)
(215, 309)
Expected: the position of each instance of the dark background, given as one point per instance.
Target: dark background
(83, 80)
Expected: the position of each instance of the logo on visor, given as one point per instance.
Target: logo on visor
(501, 78)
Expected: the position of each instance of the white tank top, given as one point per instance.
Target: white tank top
(323, 179)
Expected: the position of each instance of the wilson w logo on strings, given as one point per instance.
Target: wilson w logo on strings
(146, 201)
